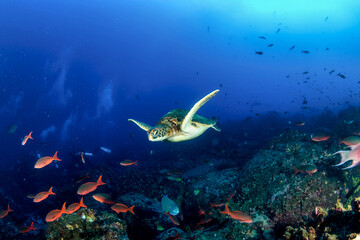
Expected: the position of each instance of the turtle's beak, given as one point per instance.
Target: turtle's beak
(150, 138)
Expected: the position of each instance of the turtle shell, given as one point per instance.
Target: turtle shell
(177, 116)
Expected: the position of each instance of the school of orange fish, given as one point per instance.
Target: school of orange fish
(353, 154)
(83, 190)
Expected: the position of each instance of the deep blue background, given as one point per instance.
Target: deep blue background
(84, 67)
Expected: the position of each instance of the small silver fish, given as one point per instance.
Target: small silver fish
(107, 150)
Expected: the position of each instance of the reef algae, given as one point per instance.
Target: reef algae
(274, 197)
(87, 224)
(335, 223)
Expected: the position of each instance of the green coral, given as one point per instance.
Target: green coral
(87, 224)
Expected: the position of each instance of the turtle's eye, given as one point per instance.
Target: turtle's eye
(155, 132)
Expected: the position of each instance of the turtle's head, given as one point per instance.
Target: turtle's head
(157, 133)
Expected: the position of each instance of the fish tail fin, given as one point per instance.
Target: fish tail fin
(100, 182)
(9, 209)
(135, 163)
(344, 157)
(211, 205)
(131, 209)
(55, 157)
(353, 164)
(63, 209)
(352, 147)
(295, 170)
(82, 203)
(226, 211)
(168, 213)
(29, 136)
(51, 192)
(32, 226)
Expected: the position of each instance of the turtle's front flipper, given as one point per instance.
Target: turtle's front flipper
(187, 120)
(141, 125)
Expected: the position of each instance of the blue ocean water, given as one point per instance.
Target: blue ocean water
(74, 72)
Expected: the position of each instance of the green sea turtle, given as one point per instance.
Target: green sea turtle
(180, 125)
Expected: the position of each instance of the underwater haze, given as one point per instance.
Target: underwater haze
(93, 80)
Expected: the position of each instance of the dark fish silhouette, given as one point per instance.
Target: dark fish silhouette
(331, 71)
(270, 45)
(292, 47)
(305, 51)
(259, 53)
(262, 37)
(79, 179)
(12, 128)
(306, 72)
(277, 31)
(341, 75)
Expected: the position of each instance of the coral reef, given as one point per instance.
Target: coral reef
(87, 224)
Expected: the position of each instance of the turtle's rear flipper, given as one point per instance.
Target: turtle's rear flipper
(216, 128)
(141, 125)
(187, 120)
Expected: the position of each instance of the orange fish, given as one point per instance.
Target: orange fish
(231, 196)
(103, 198)
(43, 195)
(216, 205)
(75, 206)
(56, 214)
(118, 208)
(26, 229)
(4, 213)
(128, 162)
(90, 186)
(320, 137)
(237, 215)
(44, 161)
(26, 138)
(82, 158)
(201, 212)
(204, 221)
(305, 168)
(173, 218)
(349, 141)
